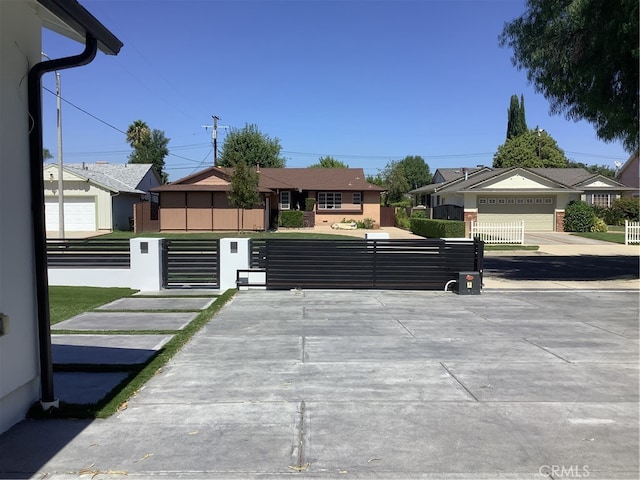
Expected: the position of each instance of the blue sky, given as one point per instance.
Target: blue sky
(364, 81)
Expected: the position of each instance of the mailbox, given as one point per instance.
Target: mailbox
(469, 283)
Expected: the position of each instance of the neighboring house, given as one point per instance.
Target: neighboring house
(97, 196)
(536, 195)
(199, 202)
(25, 359)
(629, 175)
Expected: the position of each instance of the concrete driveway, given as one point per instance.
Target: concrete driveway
(373, 384)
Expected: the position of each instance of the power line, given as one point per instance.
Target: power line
(87, 113)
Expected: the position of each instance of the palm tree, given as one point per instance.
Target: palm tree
(137, 133)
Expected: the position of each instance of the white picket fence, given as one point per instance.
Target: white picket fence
(631, 232)
(512, 233)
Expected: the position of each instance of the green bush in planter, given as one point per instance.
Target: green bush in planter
(309, 204)
(429, 228)
(578, 217)
(291, 219)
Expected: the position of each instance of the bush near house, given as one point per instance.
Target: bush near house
(625, 208)
(579, 217)
(429, 228)
(291, 219)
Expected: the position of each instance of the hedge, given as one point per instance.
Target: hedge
(291, 219)
(429, 228)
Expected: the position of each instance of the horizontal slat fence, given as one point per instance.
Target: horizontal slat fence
(631, 232)
(88, 253)
(509, 233)
(191, 262)
(370, 264)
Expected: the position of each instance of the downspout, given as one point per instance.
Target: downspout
(37, 208)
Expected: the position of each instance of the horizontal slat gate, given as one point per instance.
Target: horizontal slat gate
(356, 264)
(88, 253)
(190, 262)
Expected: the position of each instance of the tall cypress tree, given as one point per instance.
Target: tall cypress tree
(516, 122)
(522, 121)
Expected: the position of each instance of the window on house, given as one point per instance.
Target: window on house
(285, 200)
(328, 200)
(600, 199)
(357, 198)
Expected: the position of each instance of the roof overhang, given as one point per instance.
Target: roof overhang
(69, 18)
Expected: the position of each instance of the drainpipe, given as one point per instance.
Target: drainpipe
(37, 208)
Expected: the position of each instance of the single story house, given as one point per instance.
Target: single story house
(199, 202)
(97, 196)
(536, 195)
(629, 174)
(25, 342)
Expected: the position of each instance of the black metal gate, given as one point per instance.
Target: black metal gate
(191, 263)
(368, 264)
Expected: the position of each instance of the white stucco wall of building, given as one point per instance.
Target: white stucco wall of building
(20, 43)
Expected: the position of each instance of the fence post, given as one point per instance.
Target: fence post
(146, 264)
(234, 254)
(521, 232)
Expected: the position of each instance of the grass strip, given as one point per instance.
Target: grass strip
(613, 237)
(67, 302)
(117, 399)
(509, 247)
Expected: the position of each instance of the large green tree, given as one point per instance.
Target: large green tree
(533, 149)
(583, 56)
(243, 192)
(251, 146)
(395, 182)
(415, 171)
(329, 162)
(603, 170)
(516, 121)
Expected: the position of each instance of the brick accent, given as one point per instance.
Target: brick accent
(559, 220)
(469, 216)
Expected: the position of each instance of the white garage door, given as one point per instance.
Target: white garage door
(79, 214)
(537, 212)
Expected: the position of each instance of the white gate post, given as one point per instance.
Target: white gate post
(234, 255)
(146, 264)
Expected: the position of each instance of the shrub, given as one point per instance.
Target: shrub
(291, 219)
(401, 218)
(599, 225)
(366, 223)
(309, 204)
(625, 208)
(419, 214)
(578, 217)
(437, 228)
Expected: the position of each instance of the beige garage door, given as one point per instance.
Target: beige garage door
(79, 214)
(537, 212)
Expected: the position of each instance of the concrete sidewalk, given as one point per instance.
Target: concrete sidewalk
(372, 384)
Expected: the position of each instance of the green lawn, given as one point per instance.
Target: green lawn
(613, 237)
(66, 302)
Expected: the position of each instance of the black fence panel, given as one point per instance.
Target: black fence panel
(448, 212)
(365, 264)
(88, 253)
(189, 262)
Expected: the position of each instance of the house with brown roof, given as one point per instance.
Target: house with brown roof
(199, 202)
(537, 196)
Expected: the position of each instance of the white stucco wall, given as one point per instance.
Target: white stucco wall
(20, 43)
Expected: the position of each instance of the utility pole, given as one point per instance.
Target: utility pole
(60, 172)
(214, 137)
(215, 140)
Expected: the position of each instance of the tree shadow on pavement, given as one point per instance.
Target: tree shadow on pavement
(579, 267)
